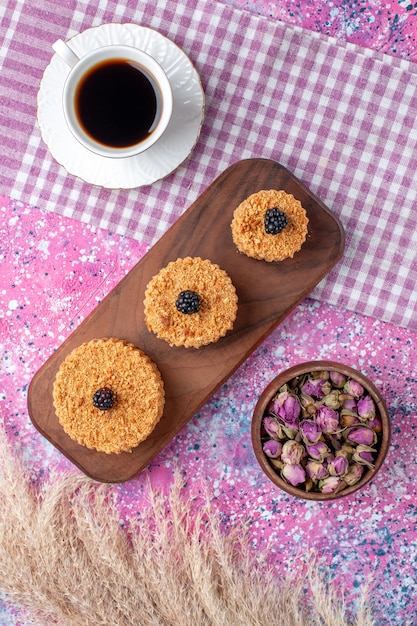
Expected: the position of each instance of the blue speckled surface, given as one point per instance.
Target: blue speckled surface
(372, 531)
(388, 27)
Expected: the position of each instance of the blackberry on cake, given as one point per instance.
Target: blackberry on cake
(108, 395)
(190, 302)
(270, 225)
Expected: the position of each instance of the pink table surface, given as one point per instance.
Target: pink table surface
(54, 270)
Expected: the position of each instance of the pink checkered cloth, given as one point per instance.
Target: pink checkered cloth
(341, 118)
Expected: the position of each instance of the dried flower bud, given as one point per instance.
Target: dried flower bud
(364, 455)
(292, 452)
(366, 408)
(310, 431)
(271, 426)
(338, 466)
(324, 374)
(309, 484)
(349, 403)
(329, 484)
(332, 400)
(346, 450)
(375, 424)
(348, 418)
(361, 435)
(354, 474)
(316, 470)
(272, 448)
(293, 474)
(308, 404)
(318, 451)
(338, 379)
(287, 407)
(327, 419)
(353, 388)
(316, 387)
(289, 433)
(277, 463)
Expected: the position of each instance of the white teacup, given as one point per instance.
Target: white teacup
(117, 99)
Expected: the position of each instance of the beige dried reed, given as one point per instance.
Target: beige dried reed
(66, 559)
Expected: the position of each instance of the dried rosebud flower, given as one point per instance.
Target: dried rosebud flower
(366, 408)
(324, 374)
(375, 424)
(364, 455)
(316, 470)
(338, 379)
(318, 451)
(338, 466)
(277, 463)
(353, 388)
(287, 407)
(332, 400)
(289, 433)
(349, 403)
(361, 435)
(316, 387)
(271, 426)
(330, 457)
(309, 484)
(293, 474)
(292, 452)
(354, 474)
(308, 404)
(272, 448)
(327, 419)
(348, 418)
(329, 484)
(346, 450)
(310, 431)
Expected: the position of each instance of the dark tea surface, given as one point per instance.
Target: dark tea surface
(117, 103)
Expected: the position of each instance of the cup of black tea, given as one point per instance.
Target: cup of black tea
(117, 99)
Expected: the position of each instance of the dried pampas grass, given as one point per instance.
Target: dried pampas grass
(67, 560)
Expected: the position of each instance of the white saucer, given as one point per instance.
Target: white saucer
(171, 149)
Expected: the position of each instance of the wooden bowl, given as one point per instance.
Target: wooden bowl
(258, 433)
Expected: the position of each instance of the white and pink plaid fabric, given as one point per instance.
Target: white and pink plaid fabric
(341, 118)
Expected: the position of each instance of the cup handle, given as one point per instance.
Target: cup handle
(64, 51)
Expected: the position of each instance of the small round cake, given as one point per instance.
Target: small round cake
(108, 395)
(191, 302)
(269, 225)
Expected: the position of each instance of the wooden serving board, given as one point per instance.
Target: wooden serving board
(267, 293)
